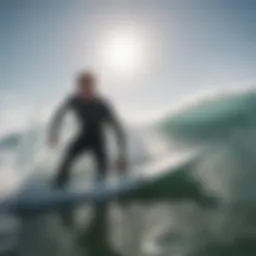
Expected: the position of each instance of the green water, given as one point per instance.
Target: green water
(181, 228)
(175, 214)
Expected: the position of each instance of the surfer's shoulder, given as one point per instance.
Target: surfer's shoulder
(67, 102)
(71, 99)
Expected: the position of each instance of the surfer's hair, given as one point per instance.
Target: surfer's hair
(86, 76)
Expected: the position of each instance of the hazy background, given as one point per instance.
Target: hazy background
(185, 46)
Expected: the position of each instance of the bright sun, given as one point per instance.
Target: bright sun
(122, 52)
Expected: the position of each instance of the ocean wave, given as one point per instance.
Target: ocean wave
(223, 124)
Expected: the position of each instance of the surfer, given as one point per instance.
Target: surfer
(92, 112)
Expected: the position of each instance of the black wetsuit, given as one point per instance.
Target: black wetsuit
(92, 114)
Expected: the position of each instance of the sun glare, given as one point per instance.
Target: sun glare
(122, 52)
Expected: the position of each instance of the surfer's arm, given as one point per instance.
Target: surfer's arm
(55, 124)
(118, 129)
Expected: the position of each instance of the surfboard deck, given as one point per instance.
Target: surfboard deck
(160, 179)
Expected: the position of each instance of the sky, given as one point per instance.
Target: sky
(186, 46)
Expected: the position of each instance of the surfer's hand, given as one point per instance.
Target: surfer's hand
(53, 142)
(121, 164)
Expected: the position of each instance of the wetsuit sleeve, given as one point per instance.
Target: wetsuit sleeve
(57, 118)
(118, 129)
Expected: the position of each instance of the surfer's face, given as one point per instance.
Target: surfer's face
(87, 85)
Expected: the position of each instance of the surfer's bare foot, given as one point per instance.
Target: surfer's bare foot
(56, 184)
(59, 182)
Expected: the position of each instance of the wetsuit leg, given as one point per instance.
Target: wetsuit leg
(76, 147)
(101, 161)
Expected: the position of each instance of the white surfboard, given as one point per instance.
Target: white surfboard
(132, 186)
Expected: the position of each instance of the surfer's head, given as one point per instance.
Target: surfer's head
(86, 83)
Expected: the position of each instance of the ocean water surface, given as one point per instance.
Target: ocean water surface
(173, 216)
